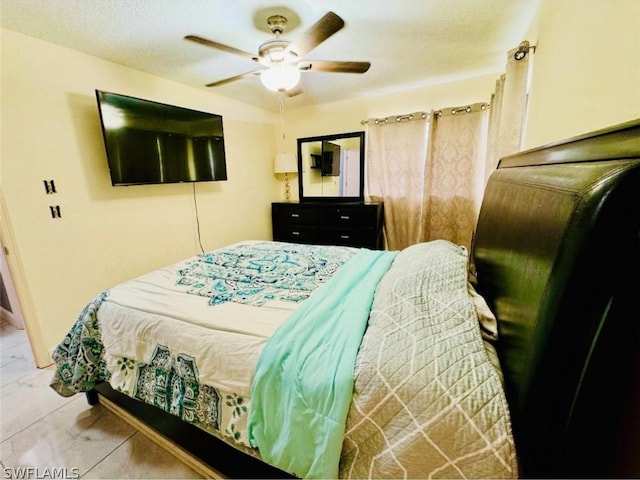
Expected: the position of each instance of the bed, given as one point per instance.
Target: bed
(517, 359)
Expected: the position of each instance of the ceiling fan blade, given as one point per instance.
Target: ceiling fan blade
(220, 46)
(318, 33)
(335, 67)
(234, 78)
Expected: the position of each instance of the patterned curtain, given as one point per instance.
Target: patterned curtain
(454, 176)
(508, 109)
(430, 170)
(397, 148)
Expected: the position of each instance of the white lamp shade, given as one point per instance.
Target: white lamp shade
(285, 163)
(280, 77)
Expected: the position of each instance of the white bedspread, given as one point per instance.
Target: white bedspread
(147, 308)
(185, 352)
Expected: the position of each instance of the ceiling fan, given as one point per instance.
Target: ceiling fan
(281, 61)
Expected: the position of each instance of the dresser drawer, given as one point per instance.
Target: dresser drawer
(351, 217)
(297, 234)
(350, 237)
(295, 215)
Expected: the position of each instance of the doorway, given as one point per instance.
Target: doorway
(9, 307)
(20, 314)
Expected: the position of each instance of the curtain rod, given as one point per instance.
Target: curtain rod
(466, 109)
(398, 118)
(425, 115)
(520, 52)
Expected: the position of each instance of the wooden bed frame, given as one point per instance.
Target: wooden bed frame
(557, 257)
(557, 253)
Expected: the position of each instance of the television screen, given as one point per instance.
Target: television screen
(330, 159)
(150, 142)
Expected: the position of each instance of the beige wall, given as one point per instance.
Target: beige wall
(50, 130)
(586, 72)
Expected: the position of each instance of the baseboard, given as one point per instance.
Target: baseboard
(9, 317)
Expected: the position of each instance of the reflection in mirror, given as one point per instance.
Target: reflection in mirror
(331, 167)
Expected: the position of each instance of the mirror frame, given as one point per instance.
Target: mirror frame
(338, 136)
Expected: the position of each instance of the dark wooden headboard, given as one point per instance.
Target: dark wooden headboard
(557, 256)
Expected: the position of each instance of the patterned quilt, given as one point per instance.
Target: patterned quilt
(256, 273)
(428, 401)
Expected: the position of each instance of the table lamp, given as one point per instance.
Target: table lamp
(285, 163)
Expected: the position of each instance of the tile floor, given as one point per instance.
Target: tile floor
(42, 430)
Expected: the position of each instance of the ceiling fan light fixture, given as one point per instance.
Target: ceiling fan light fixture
(280, 77)
(282, 61)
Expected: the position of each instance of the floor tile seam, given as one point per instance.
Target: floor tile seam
(24, 342)
(32, 375)
(15, 359)
(11, 360)
(26, 427)
(109, 453)
(7, 345)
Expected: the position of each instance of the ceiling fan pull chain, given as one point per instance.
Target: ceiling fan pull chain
(281, 111)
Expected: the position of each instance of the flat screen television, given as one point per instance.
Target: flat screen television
(149, 142)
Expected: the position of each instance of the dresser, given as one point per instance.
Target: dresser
(351, 224)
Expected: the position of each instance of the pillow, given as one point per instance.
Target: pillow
(488, 321)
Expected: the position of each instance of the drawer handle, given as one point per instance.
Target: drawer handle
(295, 233)
(344, 217)
(345, 237)
(295, 215)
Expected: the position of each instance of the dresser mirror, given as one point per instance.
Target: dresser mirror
(331, 168)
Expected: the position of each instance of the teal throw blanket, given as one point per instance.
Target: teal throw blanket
(303, 382)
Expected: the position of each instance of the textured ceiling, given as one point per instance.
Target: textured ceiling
(408, 42)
